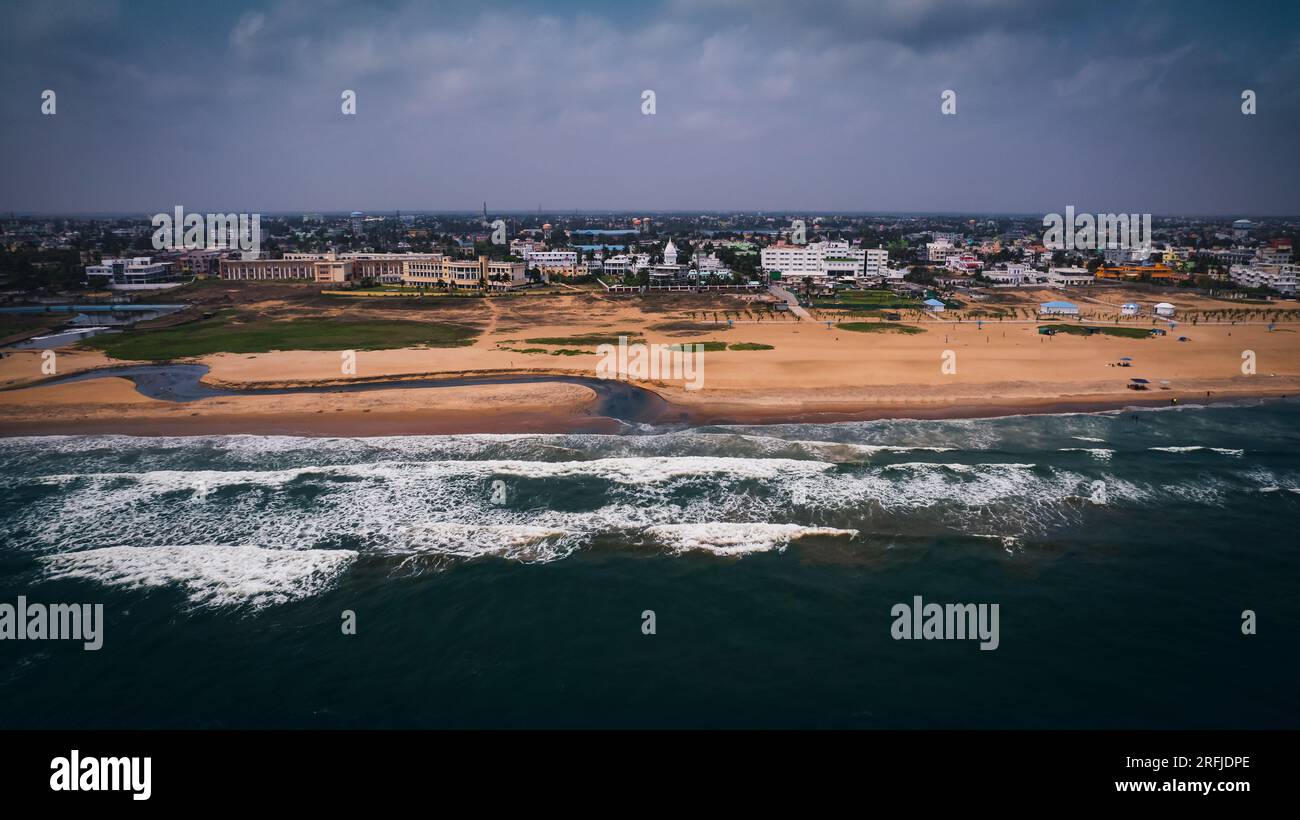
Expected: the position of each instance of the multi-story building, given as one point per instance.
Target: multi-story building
(553, 259)
(816, 260)
(1276, 252)
(429, 269)
(1281, 278)
(466, 274)
(620, 265)
(140, 272)
(963, 263)
(939, 250)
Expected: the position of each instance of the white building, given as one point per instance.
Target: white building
(620, 265)
(1062, 277)
(1281, 278)
(1013, 273)
(1129, 309)
(551, 259)
(670, 253)
(139, 272)
(821, 259)
(1164, 309)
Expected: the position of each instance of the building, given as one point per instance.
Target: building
(1280, 278)
(551, 259)
(620, 265)
(939, 250)
(1129, 309)
(357, 219)
(966, 263)
(1164, 309)
(466, 274)
(935, 305)
(670, 254)
(819, 260)
(414, 269)
(1058, 309)
(136, 273)
(1276, 252)
(1062, 277)
(1158, 272)
(1013, 273)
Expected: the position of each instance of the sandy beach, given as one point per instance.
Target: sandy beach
(812, 372)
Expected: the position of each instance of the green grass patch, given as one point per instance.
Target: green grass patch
(878, 327)
(1087, 330)
(750, 346)
(591, 339)
(227, 334)
(709, 347)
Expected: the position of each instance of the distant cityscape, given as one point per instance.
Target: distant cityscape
(815, 254)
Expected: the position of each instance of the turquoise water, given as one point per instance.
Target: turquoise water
(500, 580)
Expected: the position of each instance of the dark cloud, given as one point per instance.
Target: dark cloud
(815, 105)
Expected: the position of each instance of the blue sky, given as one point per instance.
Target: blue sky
(761, 105)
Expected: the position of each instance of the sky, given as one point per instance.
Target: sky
(760, 105)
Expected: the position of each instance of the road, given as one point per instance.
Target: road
(789, 299)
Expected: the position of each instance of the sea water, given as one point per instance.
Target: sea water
(505, 580)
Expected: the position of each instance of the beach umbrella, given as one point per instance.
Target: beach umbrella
(1139, 381)
(1126, 358)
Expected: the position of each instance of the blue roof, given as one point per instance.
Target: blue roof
(1058, 304)
(1130, 304)
(934, 303)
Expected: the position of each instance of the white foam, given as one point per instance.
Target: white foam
(1099, 453)
(1226, 451)
(733, 539)
(210, 575)
(517, 541)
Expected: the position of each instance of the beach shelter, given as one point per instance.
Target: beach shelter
(935, 305)
(1164, 309)
(1138, 384)
(1060, 308)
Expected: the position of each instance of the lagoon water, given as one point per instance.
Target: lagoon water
(500, 580)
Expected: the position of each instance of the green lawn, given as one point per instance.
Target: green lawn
(750, 346)
(230, 335)
(878, 327)
(1123, 332)
(591, 339)
(708, 346)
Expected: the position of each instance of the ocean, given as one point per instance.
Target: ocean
(511, 580)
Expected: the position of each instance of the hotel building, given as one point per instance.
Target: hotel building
(822, 259)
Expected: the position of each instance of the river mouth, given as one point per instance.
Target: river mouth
(184, 383)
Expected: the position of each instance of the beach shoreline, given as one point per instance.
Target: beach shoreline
(523, 408)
